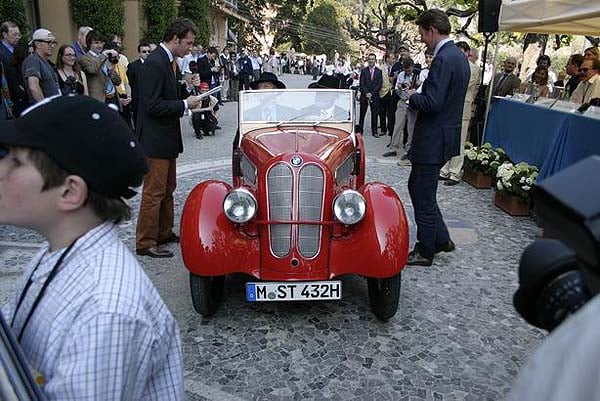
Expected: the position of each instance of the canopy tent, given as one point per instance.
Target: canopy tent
(576, 17)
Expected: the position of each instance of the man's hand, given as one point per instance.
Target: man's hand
(410, 92)
(369, 95)
(125, 101)
(193, 102)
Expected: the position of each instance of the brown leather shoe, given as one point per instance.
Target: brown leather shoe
(171, 238)
(155, 252)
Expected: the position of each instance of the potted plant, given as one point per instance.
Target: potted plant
(513, 183)
(481, 163)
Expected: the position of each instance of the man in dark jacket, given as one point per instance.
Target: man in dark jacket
(371, 80)
(436, 137)
(133, 75)
(245, 65)
(161, 105)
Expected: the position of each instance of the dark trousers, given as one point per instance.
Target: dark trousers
(134, 110)
(422, 187)
(244, 82)
(384, 103)
(391, 116)
(204, 123)
(374, 105)
(156, 217)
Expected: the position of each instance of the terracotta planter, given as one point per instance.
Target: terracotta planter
(511, 204)
(477, 179)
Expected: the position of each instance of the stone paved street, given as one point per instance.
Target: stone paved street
(456, 335)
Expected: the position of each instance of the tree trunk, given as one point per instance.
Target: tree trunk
(534, 45)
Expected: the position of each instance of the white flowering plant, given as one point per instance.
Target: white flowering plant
(484, 159)
(516, 179)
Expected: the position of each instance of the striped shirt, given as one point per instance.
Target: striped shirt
(101, 330)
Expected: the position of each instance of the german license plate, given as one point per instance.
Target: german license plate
(293, 291)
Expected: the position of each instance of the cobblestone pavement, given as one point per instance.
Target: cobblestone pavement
(456, 335)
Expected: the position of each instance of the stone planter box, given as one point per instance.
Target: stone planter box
(477, 179)
(510, 204)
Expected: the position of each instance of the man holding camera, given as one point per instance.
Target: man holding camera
(99, 67)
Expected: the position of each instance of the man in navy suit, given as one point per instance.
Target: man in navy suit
(371, 81)
(163, 101)
(436, 137)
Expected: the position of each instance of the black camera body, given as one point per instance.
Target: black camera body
(558, 276)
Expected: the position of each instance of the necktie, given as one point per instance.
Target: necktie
(372, 72)
(501, 81)
(174, 67)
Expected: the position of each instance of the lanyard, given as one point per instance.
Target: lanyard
(39, 297)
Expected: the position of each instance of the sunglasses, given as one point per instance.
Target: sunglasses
(48, 42)
(145, 51)
(584, 69)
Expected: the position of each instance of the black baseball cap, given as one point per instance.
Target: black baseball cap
(84, 137)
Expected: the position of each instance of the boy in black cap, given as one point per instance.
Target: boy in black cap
(87, 317)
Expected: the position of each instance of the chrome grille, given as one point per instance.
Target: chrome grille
(279, 182)
(310, 189)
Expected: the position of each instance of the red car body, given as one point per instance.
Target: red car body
(320, 247)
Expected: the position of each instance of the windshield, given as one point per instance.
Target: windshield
(307, 106)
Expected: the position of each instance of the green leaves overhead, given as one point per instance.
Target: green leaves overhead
(105, 16)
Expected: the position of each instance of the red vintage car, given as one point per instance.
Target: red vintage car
(298, 214)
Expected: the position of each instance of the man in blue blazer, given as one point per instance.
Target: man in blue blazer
(436, 137)
(371, 80)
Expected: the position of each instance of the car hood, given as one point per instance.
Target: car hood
(330, 145)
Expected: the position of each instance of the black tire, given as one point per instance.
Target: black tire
(384, 294)
(207, 293)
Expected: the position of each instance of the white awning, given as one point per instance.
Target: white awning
(577, 17)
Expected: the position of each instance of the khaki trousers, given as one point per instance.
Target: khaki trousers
(155, 220)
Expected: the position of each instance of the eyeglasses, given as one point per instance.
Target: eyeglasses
(69, 54)
(48, 42)
(145, 51)
(584, 69)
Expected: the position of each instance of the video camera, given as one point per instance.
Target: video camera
(558, 276)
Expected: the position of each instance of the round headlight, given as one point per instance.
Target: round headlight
(349, 207)
(239, 205)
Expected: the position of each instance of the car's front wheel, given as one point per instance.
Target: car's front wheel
(207, 293)
(384, 294)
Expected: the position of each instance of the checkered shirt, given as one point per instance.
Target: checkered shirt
(101, 331)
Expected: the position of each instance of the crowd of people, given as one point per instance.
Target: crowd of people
(577, 82)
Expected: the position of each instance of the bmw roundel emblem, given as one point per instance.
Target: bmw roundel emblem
(296, 160)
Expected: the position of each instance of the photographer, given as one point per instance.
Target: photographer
(123, 89)
(557, 278)
(71, 79)
(99, 67)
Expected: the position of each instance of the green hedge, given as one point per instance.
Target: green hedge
(197, 11)
(159, 14)
(14, 10)
(105, 16)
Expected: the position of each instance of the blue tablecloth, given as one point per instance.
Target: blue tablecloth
(549, 139)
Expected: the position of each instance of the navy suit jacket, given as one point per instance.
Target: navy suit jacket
(160, 107)
(436, 138)
(368, 85)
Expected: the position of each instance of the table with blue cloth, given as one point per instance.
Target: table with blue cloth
(549, 139)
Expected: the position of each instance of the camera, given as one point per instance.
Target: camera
(558, 276)
(70, 86)
(113, 59)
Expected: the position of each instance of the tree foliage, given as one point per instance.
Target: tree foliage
(14, 10)
(159, 14)
(197, 11)
(322, 31)
(274, 22)
(105, 16)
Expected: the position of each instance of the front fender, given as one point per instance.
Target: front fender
(378, 245)
(211, 245)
